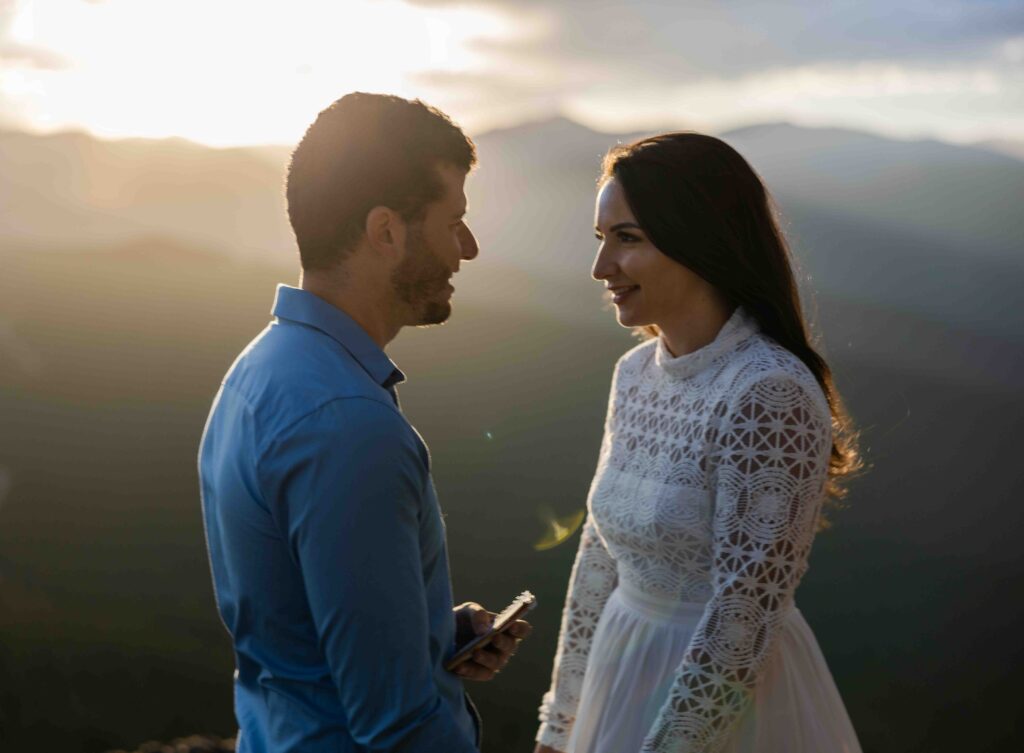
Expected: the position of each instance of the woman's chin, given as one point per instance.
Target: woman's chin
(628, 318)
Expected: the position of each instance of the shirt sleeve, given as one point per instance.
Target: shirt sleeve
(350, 502)
(773, 448)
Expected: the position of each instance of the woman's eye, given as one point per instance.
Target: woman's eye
(621, 237)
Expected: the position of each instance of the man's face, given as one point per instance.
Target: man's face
(435, 246)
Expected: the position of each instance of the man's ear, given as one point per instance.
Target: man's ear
(385, 232)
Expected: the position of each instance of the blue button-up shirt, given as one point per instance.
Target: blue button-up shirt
(327, 546)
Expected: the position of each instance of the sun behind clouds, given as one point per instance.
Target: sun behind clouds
(225, 72)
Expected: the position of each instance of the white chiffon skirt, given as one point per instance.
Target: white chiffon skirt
(634, 658)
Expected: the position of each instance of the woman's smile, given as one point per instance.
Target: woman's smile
(621, 292)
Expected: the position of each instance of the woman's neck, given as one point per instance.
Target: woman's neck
(697, 327)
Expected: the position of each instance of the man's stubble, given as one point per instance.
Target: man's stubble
(420, 281)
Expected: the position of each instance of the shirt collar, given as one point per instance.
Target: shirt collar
(297, 305)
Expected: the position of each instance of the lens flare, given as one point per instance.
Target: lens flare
(557, 529)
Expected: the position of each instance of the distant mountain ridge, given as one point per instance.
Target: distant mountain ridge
(955, 194)
(70, 190)
(922, 226)
(1006, 147)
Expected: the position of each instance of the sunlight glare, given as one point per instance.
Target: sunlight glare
(22, 28)
(229, 73)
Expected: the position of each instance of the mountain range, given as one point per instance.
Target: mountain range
(923, 233)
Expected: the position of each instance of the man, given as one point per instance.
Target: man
(326, 541)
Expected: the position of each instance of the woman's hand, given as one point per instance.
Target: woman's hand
(545, 749)
(472, 619)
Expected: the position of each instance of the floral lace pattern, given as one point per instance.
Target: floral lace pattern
(708, 489)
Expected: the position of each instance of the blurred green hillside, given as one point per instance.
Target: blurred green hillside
(106, 610)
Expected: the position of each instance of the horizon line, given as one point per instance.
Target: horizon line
(82, 130)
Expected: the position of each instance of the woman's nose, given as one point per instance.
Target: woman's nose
(604, 264)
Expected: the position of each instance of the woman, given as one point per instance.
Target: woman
(723, 437)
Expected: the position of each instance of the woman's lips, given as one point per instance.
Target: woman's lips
(619, 294)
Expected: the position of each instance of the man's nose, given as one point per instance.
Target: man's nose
(467, 241)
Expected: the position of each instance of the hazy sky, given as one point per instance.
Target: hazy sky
(232, 72)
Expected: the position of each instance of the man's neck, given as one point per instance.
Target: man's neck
(370, 309)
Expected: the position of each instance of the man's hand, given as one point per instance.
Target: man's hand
(471, 619)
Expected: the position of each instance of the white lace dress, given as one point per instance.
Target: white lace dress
(680, 631)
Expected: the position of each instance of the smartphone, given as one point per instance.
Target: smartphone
(520, 605)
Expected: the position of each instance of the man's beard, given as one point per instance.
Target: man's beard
(421, 280)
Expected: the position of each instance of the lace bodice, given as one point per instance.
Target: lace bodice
(708, 489)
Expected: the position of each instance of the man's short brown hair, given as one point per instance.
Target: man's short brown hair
(363, 151)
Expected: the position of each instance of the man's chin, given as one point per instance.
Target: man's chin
(435, 312)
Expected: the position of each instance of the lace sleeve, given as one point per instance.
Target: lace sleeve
(592, 581)
(593, 578)
(771, 457)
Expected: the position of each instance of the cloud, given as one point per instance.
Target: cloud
(708, 37)
(493, 100)
(16, 48)
(1012, 49)
(14, 54)
(917, 67)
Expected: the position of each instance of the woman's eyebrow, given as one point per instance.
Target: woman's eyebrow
(623, 226)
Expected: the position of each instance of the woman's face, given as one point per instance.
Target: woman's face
(647, 287)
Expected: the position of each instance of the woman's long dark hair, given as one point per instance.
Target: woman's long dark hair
(702, 205)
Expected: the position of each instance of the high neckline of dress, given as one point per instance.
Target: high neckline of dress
(738, 328)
